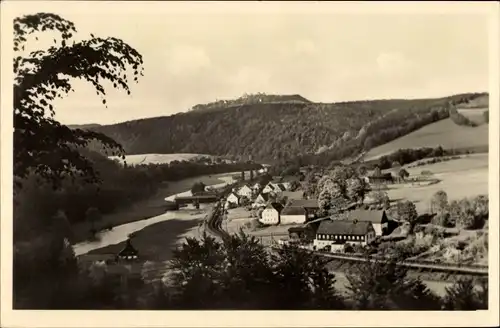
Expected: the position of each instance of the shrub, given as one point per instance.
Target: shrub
(444, 220)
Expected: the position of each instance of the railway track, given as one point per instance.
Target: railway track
(214, 222)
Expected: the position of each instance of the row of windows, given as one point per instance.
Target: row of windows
(340, 237)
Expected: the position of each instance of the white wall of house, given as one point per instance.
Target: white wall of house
(245, 191)
(379, 227)
(260, 200)
(322, 243)
(270, 216)
(267, 189)
(290, 219)
(232, 198)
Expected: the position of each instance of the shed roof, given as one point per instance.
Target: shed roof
(374, 216)
(293, 194)
(306, 203)
(293, 210)
(344, 227)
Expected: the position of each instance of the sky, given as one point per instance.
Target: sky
(197, 54)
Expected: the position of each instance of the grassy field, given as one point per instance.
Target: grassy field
(159, 158)
(474, 114)
(465, 177)
(156, 242)
(444, 133)
(147, 208)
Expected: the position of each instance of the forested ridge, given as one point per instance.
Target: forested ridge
(277, 131)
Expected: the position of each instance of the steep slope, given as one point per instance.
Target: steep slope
(277, 131)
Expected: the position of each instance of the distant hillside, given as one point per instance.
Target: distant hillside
(83, 126)
(146, 159)
(277, 131)
(250, 99)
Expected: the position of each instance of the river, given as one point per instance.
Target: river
(120, 233)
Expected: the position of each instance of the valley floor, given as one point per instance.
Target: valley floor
(150, 207)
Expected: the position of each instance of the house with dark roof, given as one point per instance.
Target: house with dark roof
(301, 233)
(271, 214)
(337, 233)
(299, 211)
(279, 187)
(128, 252)
(290, 195)
(377, 217)
(268, 188)
(262, 198)
(380, 178)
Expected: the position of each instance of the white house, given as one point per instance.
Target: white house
(279, 187)
(268, 188)
(299, 211)
(337, 233)
(232, 198)
(378, 218)
(245, 191)
(262, 198)
(271, 214)
(256, 187)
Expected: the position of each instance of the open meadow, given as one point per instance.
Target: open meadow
(474, 114)
(158, 158)
(156, 241)
(444, 133)
(465, 177)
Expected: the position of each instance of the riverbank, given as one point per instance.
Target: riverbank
(120, 233)
(147, 208)
(156, 241)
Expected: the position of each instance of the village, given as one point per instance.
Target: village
(281, 212)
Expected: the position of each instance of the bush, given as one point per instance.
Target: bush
(444, 220)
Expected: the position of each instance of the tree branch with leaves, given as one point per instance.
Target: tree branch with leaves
(41, 144)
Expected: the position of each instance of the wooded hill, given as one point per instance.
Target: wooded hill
(275, 131)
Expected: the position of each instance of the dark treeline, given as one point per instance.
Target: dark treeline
(238, 274)
(460, 119)
(405, 156)
(37, 202)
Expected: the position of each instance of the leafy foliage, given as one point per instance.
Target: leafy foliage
(380, 198)
(439, 201)
(338, 188)
(407, 211)
(383, 285)
(197, 188)
(41, 76)
(240, 274)
(469, 213)
(462, 296)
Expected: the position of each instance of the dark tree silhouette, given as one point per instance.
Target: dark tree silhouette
(43, 75)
